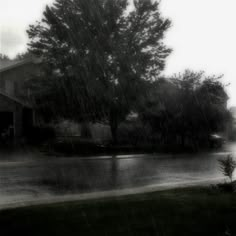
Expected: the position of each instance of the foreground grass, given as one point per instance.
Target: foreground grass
(193, 211)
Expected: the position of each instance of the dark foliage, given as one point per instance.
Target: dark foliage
(186, 109)
(98, 56)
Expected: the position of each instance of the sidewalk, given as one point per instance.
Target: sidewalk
(108, 194)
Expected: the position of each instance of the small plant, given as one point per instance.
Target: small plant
(228, 166)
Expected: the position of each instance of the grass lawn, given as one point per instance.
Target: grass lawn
(192, 211)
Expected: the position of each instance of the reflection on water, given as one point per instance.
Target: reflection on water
(73, 175)
(52, 176)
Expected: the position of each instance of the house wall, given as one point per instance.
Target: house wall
(13, 80)
(12, 86)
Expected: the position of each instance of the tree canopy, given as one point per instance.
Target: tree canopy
(100, 53)
(187, 108)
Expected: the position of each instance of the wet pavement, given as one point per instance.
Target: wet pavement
(30, 175)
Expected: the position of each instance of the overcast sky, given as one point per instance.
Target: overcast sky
(203, 34)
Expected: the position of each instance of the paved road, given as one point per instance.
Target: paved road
(30, 176)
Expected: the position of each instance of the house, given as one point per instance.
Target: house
(16, 114)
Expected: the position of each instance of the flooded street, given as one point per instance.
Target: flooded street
(34, 176)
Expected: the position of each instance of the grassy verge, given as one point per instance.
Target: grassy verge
(192, 211)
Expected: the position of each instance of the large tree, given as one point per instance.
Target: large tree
(101, 53)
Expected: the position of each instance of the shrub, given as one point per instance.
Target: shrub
(76, 145)
(133, 134)
(227, 167)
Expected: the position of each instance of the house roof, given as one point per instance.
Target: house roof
(6, 63)
(9, 65)
(5, 66)
(16, 100)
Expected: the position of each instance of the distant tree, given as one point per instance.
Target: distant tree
(160, 108)
(4, 57)
(188, 107)
(4, 60)
(212, 99)
(191, 122)
(103, 54)
(203, 103)
(22, 56)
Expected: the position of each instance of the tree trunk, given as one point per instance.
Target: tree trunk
(85, 130)
(114, 128)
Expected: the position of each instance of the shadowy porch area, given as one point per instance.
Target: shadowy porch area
(16, 118)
